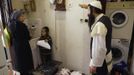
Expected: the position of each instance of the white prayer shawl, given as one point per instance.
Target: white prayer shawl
(98, 45)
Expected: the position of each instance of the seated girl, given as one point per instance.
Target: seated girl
(45, 46)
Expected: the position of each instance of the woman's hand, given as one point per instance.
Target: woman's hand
(92, 69)
(84, 6)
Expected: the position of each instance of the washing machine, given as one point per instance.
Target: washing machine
(120, 49)
(122, 17)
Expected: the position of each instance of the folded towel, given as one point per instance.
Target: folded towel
(44, 44)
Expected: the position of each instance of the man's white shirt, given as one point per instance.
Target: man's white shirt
(99, 50)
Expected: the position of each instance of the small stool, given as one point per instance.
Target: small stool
(52, 68)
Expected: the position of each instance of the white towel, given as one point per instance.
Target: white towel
(44, 44)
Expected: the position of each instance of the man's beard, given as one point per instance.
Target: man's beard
(91, 20)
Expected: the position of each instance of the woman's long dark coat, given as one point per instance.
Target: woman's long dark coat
(22, 52)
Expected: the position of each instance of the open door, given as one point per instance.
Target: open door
(3, 61)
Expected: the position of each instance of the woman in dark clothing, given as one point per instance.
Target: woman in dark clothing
(46, 54)
(23, 61)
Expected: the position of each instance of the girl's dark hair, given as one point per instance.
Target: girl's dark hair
(47, 33)
(46, 29)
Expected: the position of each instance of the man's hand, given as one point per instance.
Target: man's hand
(92, 69)
(84, 6)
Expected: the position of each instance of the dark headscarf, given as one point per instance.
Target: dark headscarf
(13, 19)
(16, 14)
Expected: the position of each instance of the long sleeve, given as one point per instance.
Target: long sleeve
(98, 45)
(98, 51)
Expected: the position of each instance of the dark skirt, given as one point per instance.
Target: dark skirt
(23, 61)
(102, 70)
